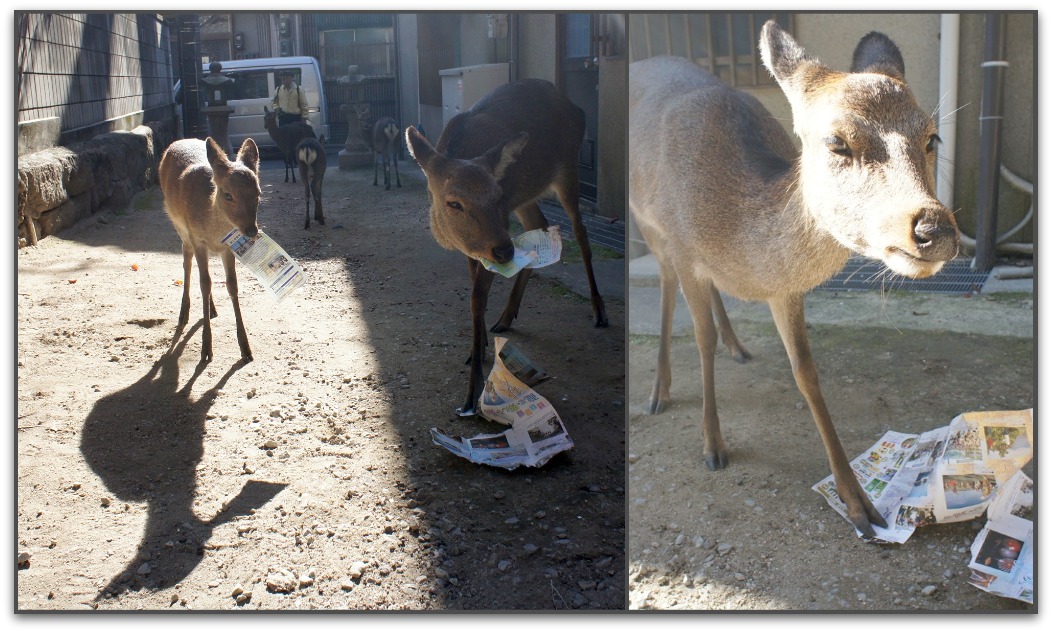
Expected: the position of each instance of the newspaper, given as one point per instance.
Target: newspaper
(1002, 561)
(533, 249)
(951, 474)
(274, 268)
(536, 432)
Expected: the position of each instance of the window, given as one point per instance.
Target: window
(726, 44)
(371, 49)
(253, 84)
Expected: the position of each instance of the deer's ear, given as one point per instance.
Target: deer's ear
(419, 147)
(217, 158)
(504, 155)
(249, 155)
(780, 53)
(877, 53)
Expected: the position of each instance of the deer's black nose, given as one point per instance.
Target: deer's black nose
(936, 235)
(503, 253)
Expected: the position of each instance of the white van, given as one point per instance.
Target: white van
(256, 81)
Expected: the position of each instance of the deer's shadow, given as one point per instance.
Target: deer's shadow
(145, 442)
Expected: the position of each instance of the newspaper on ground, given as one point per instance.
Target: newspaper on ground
(533, 249)
(951, 474)
(536, 432)
(1002, 560)
(275, 269)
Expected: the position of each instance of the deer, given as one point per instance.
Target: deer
(206, 195)
(287, 138)
(312, 160)
(384, 141)
(726, 203)
(511, 147)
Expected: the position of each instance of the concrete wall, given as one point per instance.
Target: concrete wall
(535, 60)
(60, 186)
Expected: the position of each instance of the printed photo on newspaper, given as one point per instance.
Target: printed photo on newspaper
(268, 261)
(536, 432)
(533, 249)
(952, 474)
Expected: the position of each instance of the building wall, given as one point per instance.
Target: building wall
(539, 62)
(79, 75)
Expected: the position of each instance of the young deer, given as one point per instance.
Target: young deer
(206, 195)
(725, 203)
(384, 141)
(287, 138)
(511, 147)
(312, 163)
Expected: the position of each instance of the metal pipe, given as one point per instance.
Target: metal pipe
(949, 65)
(990, 119)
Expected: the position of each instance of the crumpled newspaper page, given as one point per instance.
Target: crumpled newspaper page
(271, 265)
(536, 432)
(533, 249)
(1003, 553)
(951, 474)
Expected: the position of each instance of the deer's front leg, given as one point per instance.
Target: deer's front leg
(481, 280)
(788, 315)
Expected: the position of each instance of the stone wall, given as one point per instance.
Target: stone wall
(60, 186)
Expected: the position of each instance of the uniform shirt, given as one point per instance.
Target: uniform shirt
(291, 100)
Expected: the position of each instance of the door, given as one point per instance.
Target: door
(579, 62)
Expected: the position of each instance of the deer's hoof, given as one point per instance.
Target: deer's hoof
(741, 356)
(717, 461)
(655, 406)
(499, 327)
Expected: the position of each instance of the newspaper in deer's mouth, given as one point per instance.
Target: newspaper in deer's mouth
(533, 249)
(271, 265)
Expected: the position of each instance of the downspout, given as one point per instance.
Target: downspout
(990, 119)
(513, 46)
(949, 58)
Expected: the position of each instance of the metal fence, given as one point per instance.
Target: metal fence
(91, 68)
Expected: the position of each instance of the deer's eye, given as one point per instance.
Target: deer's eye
(837, 145)
(228, 197)
(932, 141)
(453, 204)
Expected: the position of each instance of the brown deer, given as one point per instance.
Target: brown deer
(384, 140)
(312, 164)
(287, 138)
(206, 196)
(725, 202)
(512, 146)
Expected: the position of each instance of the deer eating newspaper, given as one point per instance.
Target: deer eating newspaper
(268, 261)
(536, 432)
(533, 249)
(956, 473)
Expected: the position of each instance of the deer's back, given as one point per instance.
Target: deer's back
(556, 127)
(189, 192)
(711, 173)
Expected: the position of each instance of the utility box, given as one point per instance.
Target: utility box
(463, 87)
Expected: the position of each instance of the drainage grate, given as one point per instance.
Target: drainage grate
(860, 273)
(601, 231)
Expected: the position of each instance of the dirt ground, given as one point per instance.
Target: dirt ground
(755, 536)
(307, 478)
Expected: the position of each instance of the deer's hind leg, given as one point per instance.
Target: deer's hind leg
(738, 352)
(699, 298)
(531, 218)
(568, 188)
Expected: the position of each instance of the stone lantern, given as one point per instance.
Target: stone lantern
(217, 88)
(356, 151)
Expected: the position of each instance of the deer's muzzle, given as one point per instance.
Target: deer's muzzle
(935, 235)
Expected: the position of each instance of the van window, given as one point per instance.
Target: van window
(250, 84)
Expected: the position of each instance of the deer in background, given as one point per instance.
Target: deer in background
(511, 147)
(287, 138)
(206, 196)
(384, 140)
(725, 202)
(312, 164)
